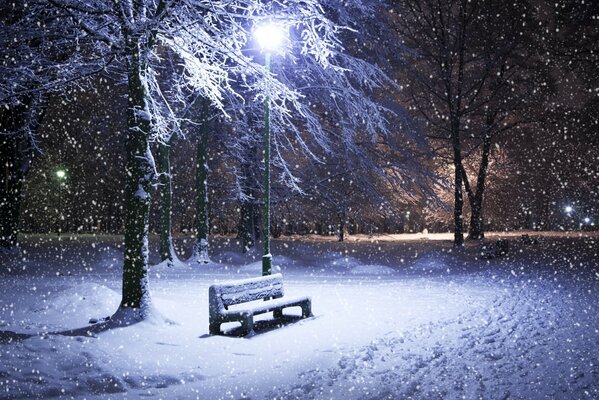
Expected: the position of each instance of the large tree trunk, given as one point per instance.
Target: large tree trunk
(202, 225)
(16, 125)
(11, 182)
(140, 171)
(167, 252)
(458, 240)
(476, 204)
(476, 231)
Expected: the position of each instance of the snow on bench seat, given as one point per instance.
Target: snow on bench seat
(269, 289)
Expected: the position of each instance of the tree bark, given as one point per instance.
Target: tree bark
(166, 250)
(341, 226)
(140, 171)
(16, 126)
(458, 240)
(476, 204)
(200, 253)
(11, 182)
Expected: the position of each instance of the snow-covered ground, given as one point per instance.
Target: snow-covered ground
(395, 317)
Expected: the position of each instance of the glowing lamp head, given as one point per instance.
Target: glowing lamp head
(61, 174)
(568, 209)
(269, 36)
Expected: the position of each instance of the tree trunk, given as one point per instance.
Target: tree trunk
(458, 240)
(11, 182)
(200, 252)
(341, 226)
(15, 154)
(476, 197)
(167, 252)
(476, 219)
(140, 171)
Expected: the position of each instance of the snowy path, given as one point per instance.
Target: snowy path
(443, 326)
(520, 347)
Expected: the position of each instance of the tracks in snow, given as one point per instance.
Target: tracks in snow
(525, 343)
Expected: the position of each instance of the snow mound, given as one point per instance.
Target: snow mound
(85, 299)
(376, 270)
(71, 307)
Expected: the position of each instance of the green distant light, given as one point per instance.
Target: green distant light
(61, 174)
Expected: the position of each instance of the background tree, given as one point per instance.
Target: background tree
(472, 76)
(41, 55)
(204, 129)
(18, 125)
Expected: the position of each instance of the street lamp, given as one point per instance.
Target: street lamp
(269, 36)
(61, 175)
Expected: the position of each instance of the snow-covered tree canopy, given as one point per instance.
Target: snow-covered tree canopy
(58, 41)
(42, 51)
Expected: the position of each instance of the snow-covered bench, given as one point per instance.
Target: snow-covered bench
(245, 295)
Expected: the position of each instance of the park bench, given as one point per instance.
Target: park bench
(240, 300)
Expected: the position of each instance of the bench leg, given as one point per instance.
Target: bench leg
(214, 328)
(247, 325)
(277, 313)
(306, 309)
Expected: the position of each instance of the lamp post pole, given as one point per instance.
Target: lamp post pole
(267, 257)
(61, 175)
(269, 37)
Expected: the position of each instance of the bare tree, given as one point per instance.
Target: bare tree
(469, 77)
(35, 63)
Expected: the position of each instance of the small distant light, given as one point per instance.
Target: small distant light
(61, 174)
(587, 220)
(568, 209)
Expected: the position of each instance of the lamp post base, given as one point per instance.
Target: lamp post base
(266, 264)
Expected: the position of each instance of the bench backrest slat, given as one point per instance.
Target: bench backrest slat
(243, 291)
